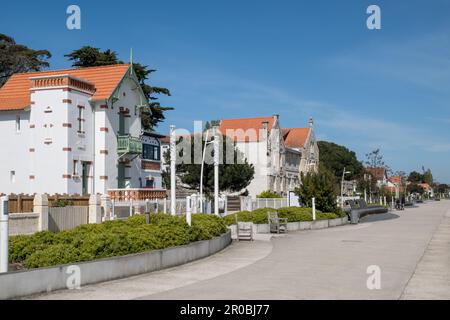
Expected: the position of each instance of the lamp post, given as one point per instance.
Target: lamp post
(201, 171)
(215, 143)
(216, 172)
(342, 186)
(173, 158)
(4, 233)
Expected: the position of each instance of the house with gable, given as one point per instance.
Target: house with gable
(278, 155)
(76, 131)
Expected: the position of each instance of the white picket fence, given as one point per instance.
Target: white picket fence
(275, 203)
(249, 204)
(126, 209)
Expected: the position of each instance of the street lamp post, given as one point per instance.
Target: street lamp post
(173, 157)
(342, 187)
(201, 171)
(216, 172)
(215, 143)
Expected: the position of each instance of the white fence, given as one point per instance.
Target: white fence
(269, 203)
(64, 218)
(125, 209)
(249, 204)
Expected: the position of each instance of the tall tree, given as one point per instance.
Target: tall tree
(16, 58)
(90, 57)
(336, 158)
(234, 177)
(321, 186)
(428, 177)
(374, 159)
(415, 177)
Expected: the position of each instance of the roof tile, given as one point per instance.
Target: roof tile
(15, 94)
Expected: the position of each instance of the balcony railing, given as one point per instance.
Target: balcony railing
(129, 145)
(137, 194)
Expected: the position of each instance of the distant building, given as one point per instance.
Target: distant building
(278, 155)
(379, 174)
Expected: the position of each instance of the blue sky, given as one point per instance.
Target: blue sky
(387, 88)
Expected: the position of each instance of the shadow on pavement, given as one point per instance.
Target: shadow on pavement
(379, 217)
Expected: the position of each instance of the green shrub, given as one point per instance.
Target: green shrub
(208, 226)
(112, 238)
(62, 203)
(320, 185)
(293, 214)
(268, 194)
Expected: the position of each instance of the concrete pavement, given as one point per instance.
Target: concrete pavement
(411, 248)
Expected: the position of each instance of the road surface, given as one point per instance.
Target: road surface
(411, 248)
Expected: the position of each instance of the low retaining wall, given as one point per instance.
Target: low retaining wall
(23, 223)
(295, 226)
(22, 283)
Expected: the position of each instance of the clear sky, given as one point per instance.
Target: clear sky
(366, 89)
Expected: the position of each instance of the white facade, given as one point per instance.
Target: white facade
(277, 166)
(65, 142)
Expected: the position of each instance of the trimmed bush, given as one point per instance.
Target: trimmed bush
(268, 194)
(293, 214)
(112, 238)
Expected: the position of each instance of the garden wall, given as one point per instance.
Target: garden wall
(22, 283)
(295, 226)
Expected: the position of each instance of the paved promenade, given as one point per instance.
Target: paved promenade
(411, 247)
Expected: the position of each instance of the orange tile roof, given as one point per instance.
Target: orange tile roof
(295, 137)
(378, 173)
(15, 94)
(395, 179)
(245, 124)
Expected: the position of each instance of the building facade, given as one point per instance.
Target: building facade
(76, 131)
(278, 155)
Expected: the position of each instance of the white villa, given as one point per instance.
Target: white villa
(279, 155)
(76, 131)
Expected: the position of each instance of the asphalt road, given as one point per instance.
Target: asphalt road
(411, 249)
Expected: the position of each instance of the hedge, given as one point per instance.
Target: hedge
(111, 238)
(293, 214)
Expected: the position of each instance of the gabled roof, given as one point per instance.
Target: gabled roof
(295, 137)
(378, 173)
(243, 125)
(396, 180)
(15, 94)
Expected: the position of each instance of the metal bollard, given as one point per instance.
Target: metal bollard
(188, 210)
(4, 233)
(314, 209)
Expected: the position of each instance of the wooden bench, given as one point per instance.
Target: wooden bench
(277, 224)
(244, 230)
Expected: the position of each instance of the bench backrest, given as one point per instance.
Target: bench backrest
(272, 216)
(362, 203)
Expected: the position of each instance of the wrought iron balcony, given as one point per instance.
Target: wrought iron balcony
(129, 145)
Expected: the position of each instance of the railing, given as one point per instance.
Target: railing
(129, 144)
(136, 194)
(269, 203)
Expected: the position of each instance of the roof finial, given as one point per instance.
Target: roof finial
(311, 122)
(131, 60)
